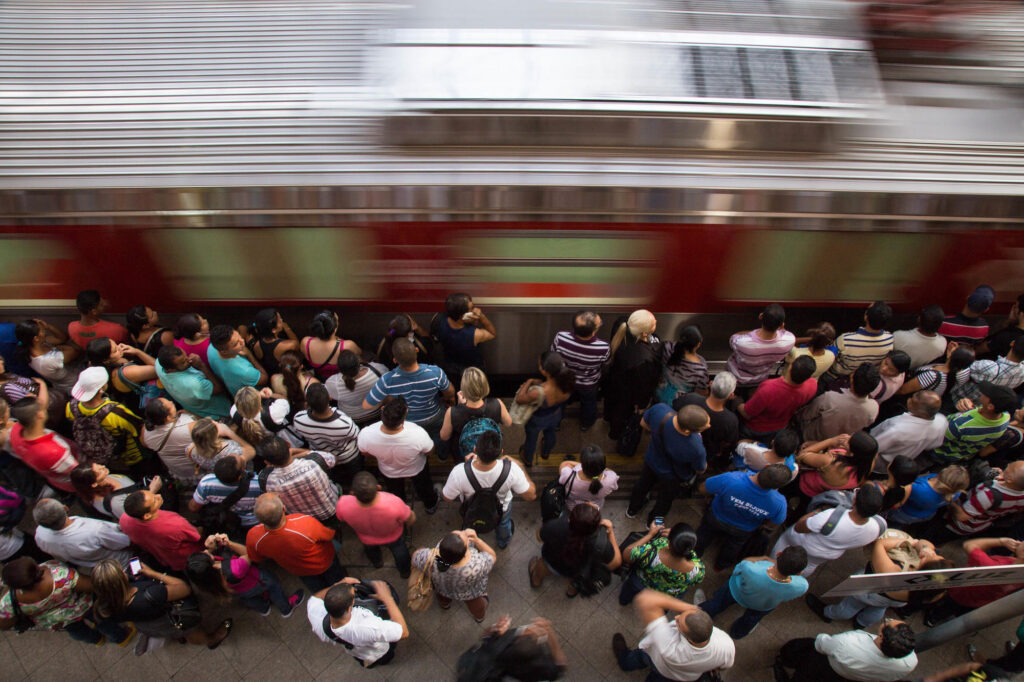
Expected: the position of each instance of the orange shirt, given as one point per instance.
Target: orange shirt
(302, 546)
(82, 334)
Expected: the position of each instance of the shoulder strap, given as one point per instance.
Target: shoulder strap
(158, 334)
(568, 482)
(997, 495)
(329, 356)
(472, 477)
(126, 490)
(76, 409)
(506, 469)
(319, 461)
(373, 369)
(239, 492)
(833, 520)
(167, 436)
(126, 381)
(661, 431)
(264, 476)
(331, 634)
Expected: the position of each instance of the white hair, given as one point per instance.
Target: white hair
(724, 385)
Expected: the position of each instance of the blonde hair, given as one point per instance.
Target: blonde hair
(474, 384)
(111, 588)
(248, 403)
(640, 322)
(206, 438)
(952, 480)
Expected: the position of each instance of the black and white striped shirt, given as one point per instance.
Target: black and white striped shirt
(336, 434)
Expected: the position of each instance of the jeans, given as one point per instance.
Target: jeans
(421, 483)
(433, 428)
(665, 487)
(503, 533)
(868, 609)
(637, 659)
(399, 550)
(733, 540)
(631, 587)
(587, 395)
(546, 424)
(268, 591)
(723, 599)
(334, 573)
(83, 630)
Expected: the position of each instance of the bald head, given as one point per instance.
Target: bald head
(925, 404)
(1013, 475)
(269, 510)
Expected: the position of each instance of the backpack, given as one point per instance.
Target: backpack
(266, 471)
(593, 575)
(483, 511)
(95, 443)
(12, 509)
(146, 392)
(552, 500)
(472, 430)
(365, 598)
(480, 662)
(220, 517)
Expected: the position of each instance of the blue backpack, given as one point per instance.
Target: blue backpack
(472, 431)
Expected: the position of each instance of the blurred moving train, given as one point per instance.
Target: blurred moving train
(692, 157)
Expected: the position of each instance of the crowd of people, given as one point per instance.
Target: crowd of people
(159, 463)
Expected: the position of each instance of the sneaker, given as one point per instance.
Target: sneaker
(293, 601)
(630, 514)
(699, 597)
(437, 501)
(142, 646)
(618, 645)
(266, 612)
(101, 641)
(817, 606)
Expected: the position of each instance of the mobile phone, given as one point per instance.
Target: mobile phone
(659, 520)
(135, 566)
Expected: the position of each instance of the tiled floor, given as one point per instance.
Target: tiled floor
(276, 649)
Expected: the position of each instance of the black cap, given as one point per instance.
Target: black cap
(1003, 399)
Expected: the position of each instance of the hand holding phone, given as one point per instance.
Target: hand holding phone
(135, 566)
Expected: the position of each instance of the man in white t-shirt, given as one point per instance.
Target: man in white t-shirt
(486, 463)
(684, 648)
(401, 449)
(80, 541)
(824, 540)
(854, 655)
(909, 434)
(924, 343)
(334, 617)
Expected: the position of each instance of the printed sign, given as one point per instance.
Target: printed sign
(928, 580)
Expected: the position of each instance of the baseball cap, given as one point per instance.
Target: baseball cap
(1003, 399)
(981, 298)
(89, 383)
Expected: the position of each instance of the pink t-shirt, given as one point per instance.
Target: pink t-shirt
(774, 402)
(249, 574)
(197, 348)
(82, 334)
(380, 523)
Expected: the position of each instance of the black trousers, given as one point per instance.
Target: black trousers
(808, 663)
(421, 484)
(665, 488)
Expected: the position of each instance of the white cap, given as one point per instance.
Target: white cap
(89, 383)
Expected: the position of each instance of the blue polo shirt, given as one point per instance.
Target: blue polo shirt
(752, 588)
(680, 456)
(742, 503)
(420, 388)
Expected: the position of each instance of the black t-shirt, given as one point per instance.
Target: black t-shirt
(724, 431)
(150, 601)
(1000, 342)
(555, 533)
(462, 415)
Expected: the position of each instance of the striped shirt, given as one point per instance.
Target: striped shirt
(860, 347)
(965, 330)
(337, 434)
(305, 488)
(419, 388)
(212, 491)
(931, 379)
(968, 432)
(582, 357)
(1001, 372)
(753, 358)
(983, 509)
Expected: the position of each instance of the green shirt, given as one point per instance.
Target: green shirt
(658, 576)
(968, 432)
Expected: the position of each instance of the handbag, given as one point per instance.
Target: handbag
(553, 499)
(629, 441)
(184, 614)
(521, 412)
(421, 587)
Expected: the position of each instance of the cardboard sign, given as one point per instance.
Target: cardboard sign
(928, 580)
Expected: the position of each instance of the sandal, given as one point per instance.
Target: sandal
(530, 567)
(227, 625)
(571, 591)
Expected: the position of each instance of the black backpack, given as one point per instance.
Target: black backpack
(95, 443)
(219, 517)
(366, 598)
(593, 576)
(482, 512)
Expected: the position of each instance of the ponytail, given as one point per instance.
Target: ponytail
(348, 366)
(593, 463)
(291, 365)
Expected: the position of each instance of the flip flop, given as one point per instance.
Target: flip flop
(529, 570)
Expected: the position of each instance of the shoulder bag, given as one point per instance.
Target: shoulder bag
(421, 587)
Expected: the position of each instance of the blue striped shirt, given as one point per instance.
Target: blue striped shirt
(419, 388)
(212, 491)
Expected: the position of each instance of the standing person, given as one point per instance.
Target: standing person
(970, 431)
(819, 340)
(756, 353)
(986, 502)
(999, 341)
(423, 386)
(633, 372)
(227, 477)
(128, 378)
(685, 370)
(743, 503)
(826, 539)
(268, 345)
(257, 413)
(189, 380)
(192, 336)
(369, 638)
(379, 519)
(719, 438)
(492, 472)
(232, 361)
(674, 456)
(968, 327)
(688, 647)
(758, 584)
(106, 492)
(49, 352)
(1005, 371)
(293, 380)
(553, 391)
(960, 600)
(585, 355)
(147, 334)
(168, 433)
(667, 564)
(775, 401)
(326, 429)
(460, 570)
(928, 494)
(77, 540)
(255, 587)
(853, 655)
(299, 479)
(91, 324)
(322, 346)
(909, 434)
(88, 398)
(461, 331)
(473, 403)
(569, 545)
(944, 377)
(401, 449)
(298, 543)
(589, 480)
(212, 441)
(869, 344)
(401, 327)
(47, 453)
(923, 343)
(845, 411)
(530, 652)
(782, 449)
(352, 383)
(164, 534)
(840, 463)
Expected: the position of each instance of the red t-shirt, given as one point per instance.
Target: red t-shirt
(82, 334)
(774, 402)
(302, 546)
(379, 524)
(167, 536)
(51, 456)
(973, 597)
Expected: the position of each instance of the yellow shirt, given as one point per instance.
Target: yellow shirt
(117, 425)
(822, 362)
